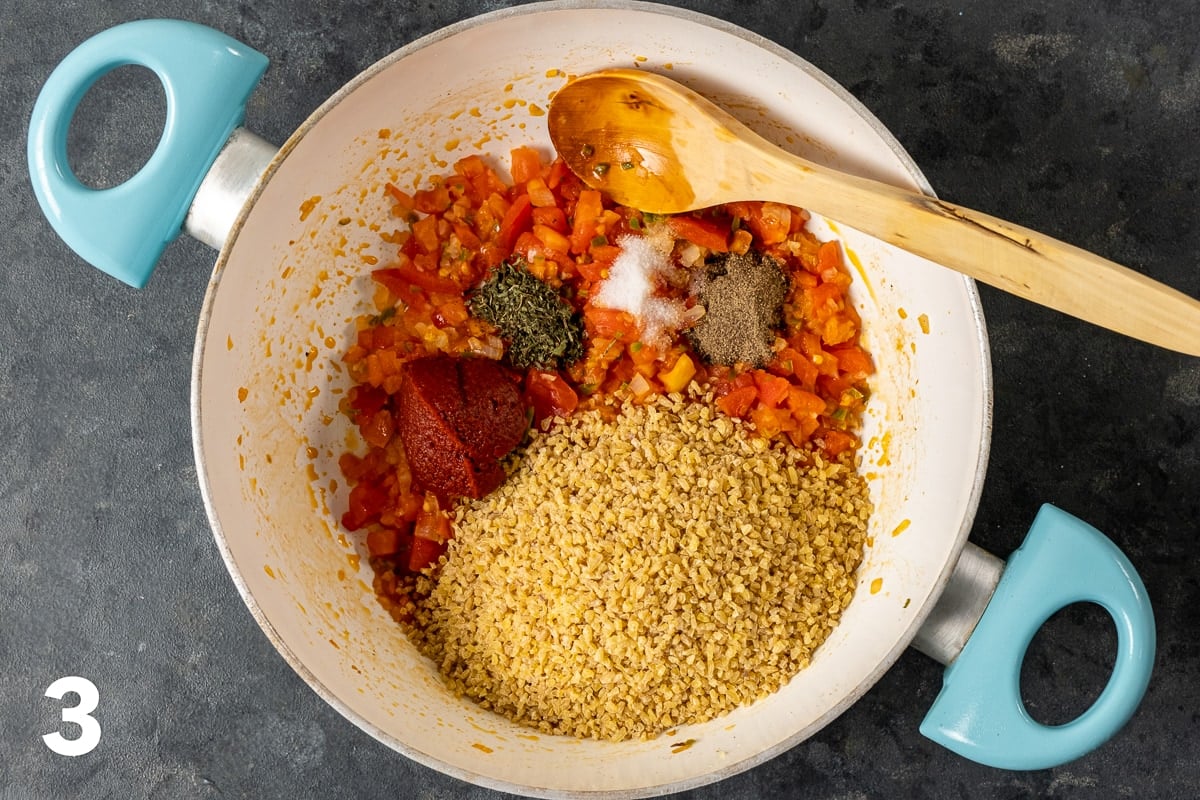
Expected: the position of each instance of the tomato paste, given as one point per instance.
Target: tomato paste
(458, 418)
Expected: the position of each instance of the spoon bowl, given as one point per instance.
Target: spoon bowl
(652, 143)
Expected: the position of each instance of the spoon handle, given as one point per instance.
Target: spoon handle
(1017, 260)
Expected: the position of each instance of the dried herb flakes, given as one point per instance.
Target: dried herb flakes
(541, 328)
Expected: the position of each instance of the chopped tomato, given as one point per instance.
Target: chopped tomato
(366, 400)
(642, 354)
(377, 429)
(539, 193)
(425, 234)
(836, 442)
(737, 402)
(769, 422)
(382, 542)
(774, 223)
(791, 362)
(467, 238)
(550, 237)
(407, 273)
(549, 394)
(804, 403)
(707, 233)
(609, 323)
(528, 246)
(829, 257)
(602, 257)
(432, 201)
(559, 176)
(424, 553)
(517, 220)
(551, 217)
(592, 271)
(526, 164)
(482, 180)
(585, 219)
(432, 524)
(402, 202)
(772, 390)
(853, 360)
(367, 500)
(606, 253)
(769, 222)
(450, 312)
(824, 300)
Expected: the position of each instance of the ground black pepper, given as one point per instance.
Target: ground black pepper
(743, 296)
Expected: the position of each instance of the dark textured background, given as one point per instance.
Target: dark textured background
(1077, 117)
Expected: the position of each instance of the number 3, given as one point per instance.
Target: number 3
(89, 728)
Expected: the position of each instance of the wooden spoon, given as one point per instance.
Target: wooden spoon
(655, 145)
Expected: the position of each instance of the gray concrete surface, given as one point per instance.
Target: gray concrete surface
(1077, 117)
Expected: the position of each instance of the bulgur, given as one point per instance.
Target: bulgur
(641, 570)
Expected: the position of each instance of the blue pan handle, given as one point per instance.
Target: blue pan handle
(207, 78)
(979, 713)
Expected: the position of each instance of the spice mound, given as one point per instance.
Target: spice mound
(743, 295)
(643, 567)
(541, 327)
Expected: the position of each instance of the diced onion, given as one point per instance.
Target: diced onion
(492, 347)
(639, 385)
(691, 254)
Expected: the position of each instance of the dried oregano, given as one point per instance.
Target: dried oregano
(540, 327)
